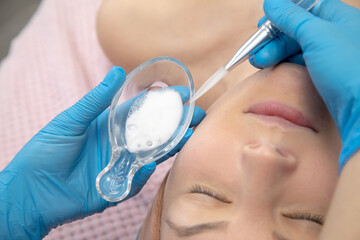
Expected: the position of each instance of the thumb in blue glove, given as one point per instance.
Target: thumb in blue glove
(52, 179)
(328, 42)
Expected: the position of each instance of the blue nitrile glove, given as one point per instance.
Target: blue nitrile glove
(52, 179)
(328, 41)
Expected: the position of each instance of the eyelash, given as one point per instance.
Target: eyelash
(203, 190)
(306, 216)
(302, 216)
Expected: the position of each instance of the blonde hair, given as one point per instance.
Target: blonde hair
(152, 223)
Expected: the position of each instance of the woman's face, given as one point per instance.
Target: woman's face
(247, 175)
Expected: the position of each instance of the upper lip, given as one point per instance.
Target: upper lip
(272, 108)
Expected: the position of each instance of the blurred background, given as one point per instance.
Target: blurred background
(14, 14)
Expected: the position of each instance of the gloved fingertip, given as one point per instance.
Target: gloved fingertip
(183, 91)
(144, 173)
(297, 59)
(273, 52)
(252, 61)
(116, 76)
(261, 21)
(76, 119)
(188, 133)
(182, 142)
(148, 168)
(199, 115)
(119, 71)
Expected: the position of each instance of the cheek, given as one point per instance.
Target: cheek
(216, 146)
(207, 155)
(317, 174)
(322, 155)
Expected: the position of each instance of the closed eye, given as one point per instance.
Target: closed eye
(318, 219)
(204, 190)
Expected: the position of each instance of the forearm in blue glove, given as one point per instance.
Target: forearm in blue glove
(327, 40)
(52, 179)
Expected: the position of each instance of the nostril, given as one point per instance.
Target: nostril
(265, 167)
(265, 154)
(253, 145)
(282, 152)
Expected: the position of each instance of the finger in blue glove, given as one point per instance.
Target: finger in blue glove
(329, 39)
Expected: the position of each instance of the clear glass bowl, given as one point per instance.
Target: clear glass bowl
(114, 182)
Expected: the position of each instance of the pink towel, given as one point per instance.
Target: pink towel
(53, 62)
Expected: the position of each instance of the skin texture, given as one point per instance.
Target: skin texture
(266, 170)
(132, 32)
(260, 167)
(344, 212)
(202, 34)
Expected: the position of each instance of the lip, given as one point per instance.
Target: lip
(274, 111)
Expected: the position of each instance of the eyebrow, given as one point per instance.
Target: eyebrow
(199, 228)
(195, 229)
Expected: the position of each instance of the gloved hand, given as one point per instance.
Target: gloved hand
(328, 42)
(52, 179)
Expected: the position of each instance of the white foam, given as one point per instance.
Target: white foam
(153, 119)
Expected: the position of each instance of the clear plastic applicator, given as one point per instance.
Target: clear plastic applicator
(262, 36)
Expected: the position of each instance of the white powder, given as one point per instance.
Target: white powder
(153, 119)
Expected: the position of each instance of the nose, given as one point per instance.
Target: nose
(265, 170)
